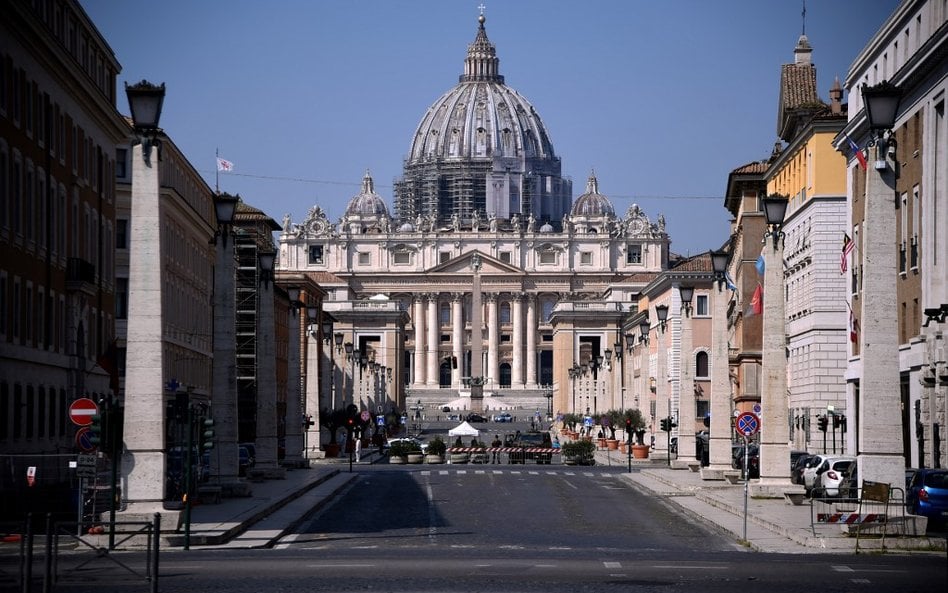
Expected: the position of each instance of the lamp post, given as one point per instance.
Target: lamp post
(878, 421)
(294, 409)
(225, 463)
(266, 464)
(719, 433)
(573, 373)
(686, 381)
(774, 426)
(144, 420)
(662, 397)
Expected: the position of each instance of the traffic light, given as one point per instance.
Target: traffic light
(664, 425)
(836, 420)
(95, 430)
(308, 420)
(207, 437)
(821, 423)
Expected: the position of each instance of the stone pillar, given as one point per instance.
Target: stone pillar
(774, 426)
(313, 380)
(224, 466)
(493, 340)
(294, 411)
(266, 465)
(531, 330)
(457, 339)
(879, 437)
(516, 367)
(662, 391)
(143, 464)
(433, 326)
(418, 320)
(686, 395)
(719, 452)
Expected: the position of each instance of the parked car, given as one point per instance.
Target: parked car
(849, 488)
(420, 444)
(816, 466)
(252, 451)
(830, 480)
(795, 455)
(927, 495)
(753, 460)
(796, 470)
(503, 417)
(475, 418)
(243, 460)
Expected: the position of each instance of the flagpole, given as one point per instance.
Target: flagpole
(217, 171)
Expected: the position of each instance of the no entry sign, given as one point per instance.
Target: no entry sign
(82, 410)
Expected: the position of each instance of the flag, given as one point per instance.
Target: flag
(224, 165)
(757, 301)
(108, 360)
(857, 152)
(853, 327)
(729, 281)
(848, 245)
(760, 264)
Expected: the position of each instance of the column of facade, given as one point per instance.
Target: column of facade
(516, 370)
(266, 464)
(418, 319)
(686, 396)
(457, 338)
(662, 391)
(531, 330)
(493, 340)
(432, 347)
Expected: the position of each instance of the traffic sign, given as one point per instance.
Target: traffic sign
(82, 410)
(747, 424)
(31, 475)
(380, 420)
(85, 464)
(84, 439)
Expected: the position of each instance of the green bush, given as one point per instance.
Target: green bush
(437, 446)
(402, 448)
(579, 449)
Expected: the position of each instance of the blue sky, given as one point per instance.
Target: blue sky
(662, 98)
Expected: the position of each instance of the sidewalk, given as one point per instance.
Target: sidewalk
(772, 525)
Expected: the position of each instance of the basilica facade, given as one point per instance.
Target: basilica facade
(486, 272)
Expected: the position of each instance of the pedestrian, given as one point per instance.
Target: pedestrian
(495, 445)
(358, 447)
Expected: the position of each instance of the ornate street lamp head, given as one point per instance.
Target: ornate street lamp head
(882, 105)
(775, 210)
(661, 311)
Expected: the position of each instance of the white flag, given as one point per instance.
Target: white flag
(224, 165)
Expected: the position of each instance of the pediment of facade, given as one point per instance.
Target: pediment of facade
(464, 264)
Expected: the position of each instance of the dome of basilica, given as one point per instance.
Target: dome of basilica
(592, 203)
(367, 203)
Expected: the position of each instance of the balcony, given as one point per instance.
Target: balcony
(80, 276)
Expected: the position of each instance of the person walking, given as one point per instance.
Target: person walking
(495, 444)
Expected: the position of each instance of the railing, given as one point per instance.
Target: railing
(876, 508)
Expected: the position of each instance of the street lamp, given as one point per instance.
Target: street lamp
(145, 421)
(661, 311)
(267, 426)
(225, 463)
(878, 431)
(774, 428)
(719, 431)
(686, 391)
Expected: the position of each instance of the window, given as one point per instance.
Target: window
(548, 257)
(121, 163)
(121, 298)
(445, 313)
(505, 257)
(547, 310)
(701, 364)
(586, 258)
(444, 257)
(505, 312)
(401, 258)
(365, 258)
(121, 233)
(316, 254)
(633, 254)
(701, 305)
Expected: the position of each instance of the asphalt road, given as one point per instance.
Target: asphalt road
(510, 529)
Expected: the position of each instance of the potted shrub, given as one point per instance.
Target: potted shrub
(458, 455)
(414, 453)
(398, 452)
(436, 449)
(635, 423)
(611, 421)
(479, 455)
(579, 453)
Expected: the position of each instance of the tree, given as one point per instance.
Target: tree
(332, 421)
(636, 422)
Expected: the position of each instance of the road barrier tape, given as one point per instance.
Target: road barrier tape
(502, 450)
(850, 518)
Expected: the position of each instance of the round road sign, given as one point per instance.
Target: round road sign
(365, 415)
(84, 439)
(747, 424)
(82, 410)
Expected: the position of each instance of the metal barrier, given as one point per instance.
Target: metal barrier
(80, 561)
(877, 509)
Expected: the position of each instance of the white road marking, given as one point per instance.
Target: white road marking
(612, 564)
(843, 568)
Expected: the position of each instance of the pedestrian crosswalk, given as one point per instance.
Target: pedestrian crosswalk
(515, 472)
